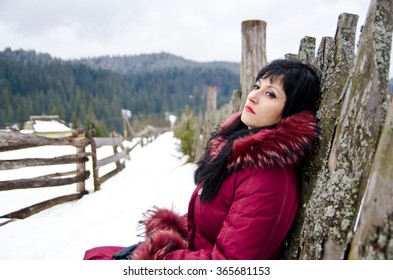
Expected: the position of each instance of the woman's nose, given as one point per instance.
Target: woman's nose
(252, 97)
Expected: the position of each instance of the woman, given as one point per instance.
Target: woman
(247, 192)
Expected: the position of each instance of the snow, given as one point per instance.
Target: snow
(50, 126)
(155, 175)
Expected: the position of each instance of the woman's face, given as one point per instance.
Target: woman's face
(264, 103)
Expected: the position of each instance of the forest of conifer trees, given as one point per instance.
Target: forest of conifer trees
(86, 96)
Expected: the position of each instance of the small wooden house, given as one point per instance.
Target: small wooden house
(51, 126)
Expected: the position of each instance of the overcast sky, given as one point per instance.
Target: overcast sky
(202, 30)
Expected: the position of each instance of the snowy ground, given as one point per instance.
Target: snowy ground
(155, 175)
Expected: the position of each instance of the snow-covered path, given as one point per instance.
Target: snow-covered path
(155, 175)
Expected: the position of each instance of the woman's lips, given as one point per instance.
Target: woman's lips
(249, 109)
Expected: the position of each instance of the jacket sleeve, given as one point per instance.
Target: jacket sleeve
(264, 206)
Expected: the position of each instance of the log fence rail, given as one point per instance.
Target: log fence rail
(13, 141)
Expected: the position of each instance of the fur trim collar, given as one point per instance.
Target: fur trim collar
(286, 144)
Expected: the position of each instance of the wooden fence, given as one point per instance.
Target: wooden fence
(149, 133)
(116, 141)
(10, 141)
(347, 203)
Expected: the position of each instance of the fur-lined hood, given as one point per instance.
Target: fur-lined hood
(286, 144)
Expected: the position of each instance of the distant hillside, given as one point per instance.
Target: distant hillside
(152, 62)
(92, 92)
(27, 56)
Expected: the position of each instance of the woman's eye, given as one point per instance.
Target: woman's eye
(271, 94)
(256, 87)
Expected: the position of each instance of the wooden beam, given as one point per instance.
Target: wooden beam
(28, 162)
(107, 141)
(34, 209)
(111, 174)
(14, 141)
(112, 158)
(41, 182)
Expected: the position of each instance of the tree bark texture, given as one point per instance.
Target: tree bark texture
(373, 238)
(331, 213)
(335, 59)
(321, 61)
(307, 50)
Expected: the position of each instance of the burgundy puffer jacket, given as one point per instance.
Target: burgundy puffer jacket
(254, 208)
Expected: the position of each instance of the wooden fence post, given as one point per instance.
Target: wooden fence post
(80, 169)
(327, 43)
(96, 175)
(333, 208)
(253, 55)
(211, 104)
(118, 163)
(374, 237)
(253, 59)
(337, 61)
(15, 141)
(307, 50)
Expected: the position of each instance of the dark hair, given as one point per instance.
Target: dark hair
(212, 170)
(301, 83)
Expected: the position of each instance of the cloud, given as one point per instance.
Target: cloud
(201, 30)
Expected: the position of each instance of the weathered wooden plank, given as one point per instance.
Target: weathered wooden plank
(373, 238)
(80, 169)
(332, 211)
(113, 158)
(112, 173)
(335, 73)
(307, 50)
(322, 59)
(29, 162)
(107, 141)
(36, 208)
(211, 100)
(253, 36)
(41, 182)
(253, 54)
(6, 221)
(291, 56)
(96, 175)
(58, 174)
(13, 141)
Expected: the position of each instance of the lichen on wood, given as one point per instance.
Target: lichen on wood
(332, 210)
(335, 60)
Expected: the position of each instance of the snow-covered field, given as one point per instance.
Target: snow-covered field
(155, 175)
